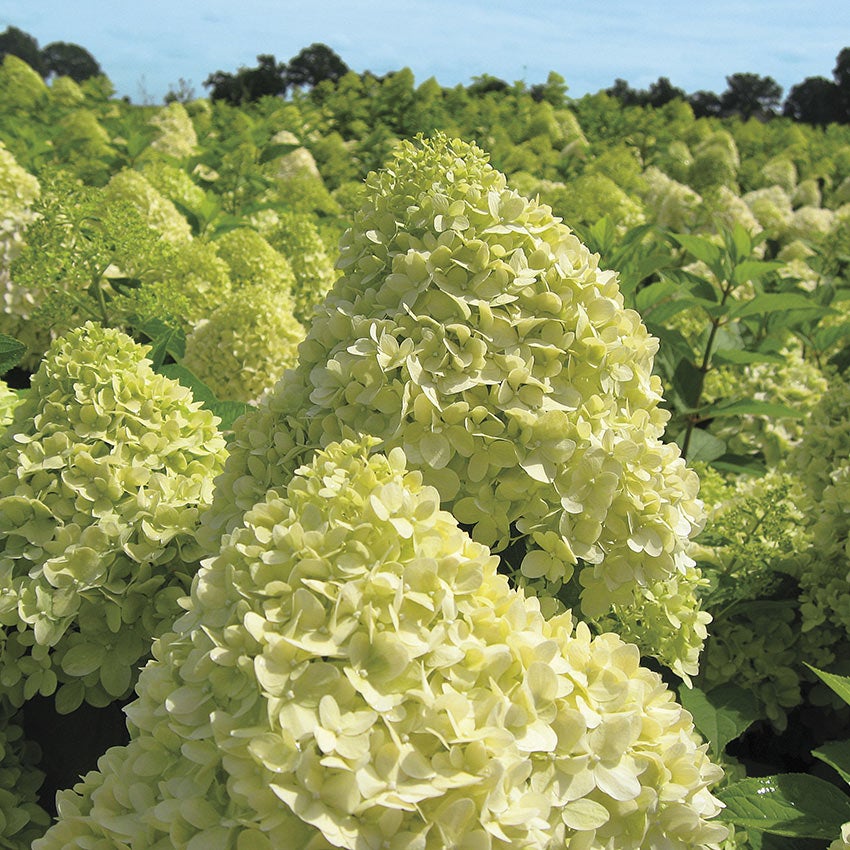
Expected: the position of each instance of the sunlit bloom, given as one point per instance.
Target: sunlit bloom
(473, 330)
(352, 671)
(104, 473)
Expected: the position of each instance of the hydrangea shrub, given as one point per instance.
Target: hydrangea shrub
(104, 473)
(352, 671)
(472, 329)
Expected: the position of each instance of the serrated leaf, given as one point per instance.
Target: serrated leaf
(837, 755)
(741, 241)
(722, 714)
(792, 804)
(11, 352)
(839, 684)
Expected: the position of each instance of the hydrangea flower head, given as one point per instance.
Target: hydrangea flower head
(352, 671)
(472, 329)
(104, 473)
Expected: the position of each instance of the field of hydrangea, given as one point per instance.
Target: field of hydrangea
(472, 474)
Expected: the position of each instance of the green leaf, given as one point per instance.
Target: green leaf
(228, 412)
(737, 357)
(741, 242)
(839, 684)
(722, 714)
(703, 446)
(751, 407)
(837, 755)
(11, 352)
(699, 247)
(793, 804)
(740, 464)
(776, 302)
(165, 339)
(199, 389)
(271, 152)
(688, 381)
(754, 269)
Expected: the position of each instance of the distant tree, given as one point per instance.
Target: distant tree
(64, 59)
(313, 65)
(21, 44)
(623, 92)
(485, 84)
(705, 104)
(249, 84)
(663, 91)
(751, 96)
(841, 74)
(814, 101)
(553, 91)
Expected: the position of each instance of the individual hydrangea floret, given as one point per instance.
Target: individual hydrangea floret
(353, 672)
(472, 329)
(104, 473)
(244, 347)
(843, 842)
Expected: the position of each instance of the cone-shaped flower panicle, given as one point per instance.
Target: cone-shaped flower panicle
(352, 671)
(105, 470)
(472, 329)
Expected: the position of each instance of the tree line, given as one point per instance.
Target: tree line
(816, 100)
(57, 59)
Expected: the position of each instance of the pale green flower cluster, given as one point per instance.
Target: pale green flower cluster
(66, 92)
(772, 207)
(796, 382)
(352, 671)
(174, 184)
(251, 260)
(822, 461)
(22, 820)
(9, 400)
(780, 172)
(296, 237)
(177, 137)
(18, 191)
(162, 215)
(811, 224)
(668, 202)
(472, 329)
(104, 473)
(245, 345)
(21, 88)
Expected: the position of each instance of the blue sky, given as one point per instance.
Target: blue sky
(146, 46)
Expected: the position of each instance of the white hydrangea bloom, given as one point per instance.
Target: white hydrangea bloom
(177, 137)
(353, 672)
(104, 473)
(472, 329)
